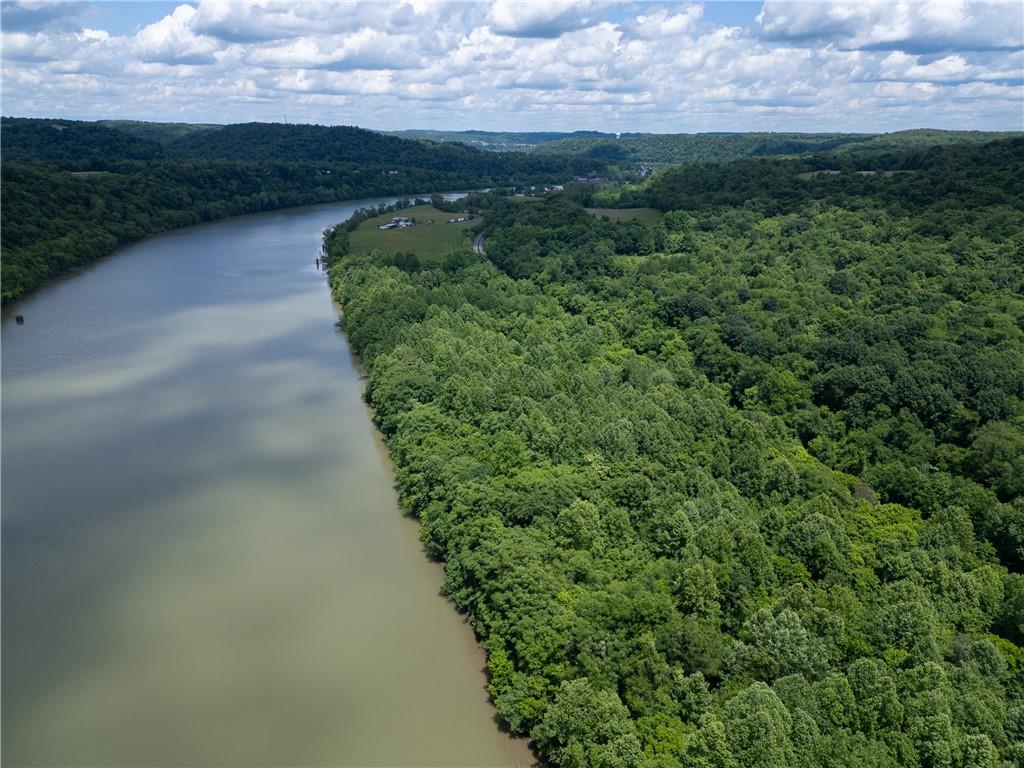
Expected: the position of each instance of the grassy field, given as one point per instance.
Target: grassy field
(647, 215)
(427, 240)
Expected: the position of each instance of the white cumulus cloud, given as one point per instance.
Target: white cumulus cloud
(530, 65)
(916, 27)
(173, 40)
(540, 18)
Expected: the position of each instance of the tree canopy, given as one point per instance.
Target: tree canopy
(74, 191)
(740, 488)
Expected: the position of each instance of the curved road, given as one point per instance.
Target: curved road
(478, 244)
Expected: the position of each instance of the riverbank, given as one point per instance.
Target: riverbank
(204, 561)
(72, 272)
(56, 221)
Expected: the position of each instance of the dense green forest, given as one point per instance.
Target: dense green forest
(671, 148)
(75, 191)
(926, 180)
(315, 143)
(661, 149)
(164, 133)
(742, 489)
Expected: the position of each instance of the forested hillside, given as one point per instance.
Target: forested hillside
(946, 181)
(662, 149)
(72, 145)
(164, 133)
(741, 489)
(317, 143)
(673, 148)
(501, 141)
(74, 191)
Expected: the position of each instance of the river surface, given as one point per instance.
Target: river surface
(204, 563)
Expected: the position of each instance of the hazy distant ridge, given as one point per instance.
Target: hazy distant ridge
(669, 148)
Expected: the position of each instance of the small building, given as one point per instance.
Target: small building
(459, 219)
(399, 222)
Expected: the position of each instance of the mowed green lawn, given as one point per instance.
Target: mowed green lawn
(646, 215)
(426, 240)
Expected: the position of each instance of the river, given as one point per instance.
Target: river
(204, 562)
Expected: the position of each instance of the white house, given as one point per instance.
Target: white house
(398, 222)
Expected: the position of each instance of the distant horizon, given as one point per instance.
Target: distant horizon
(502, 65)
(504, 130)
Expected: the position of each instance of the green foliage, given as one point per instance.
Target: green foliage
(433, 238)
(499, 141)
(646, 215)
(757, 727)
(75, 191)
(346, 144)
(951, 180)
(708, 504)
(996, 457)
(585, 728)
(73, 145)
(726, 147)
(661, 149)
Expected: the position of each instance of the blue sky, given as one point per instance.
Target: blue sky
(126, 18)
(537, 65)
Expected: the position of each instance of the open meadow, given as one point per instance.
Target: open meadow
(646, 215)
(431, 238)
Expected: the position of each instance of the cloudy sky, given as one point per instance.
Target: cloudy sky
(537, 65)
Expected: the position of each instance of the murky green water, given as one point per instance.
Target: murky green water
(203, 559)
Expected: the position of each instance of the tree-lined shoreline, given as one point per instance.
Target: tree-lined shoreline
(736, 488)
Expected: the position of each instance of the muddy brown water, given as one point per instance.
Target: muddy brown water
(204, 563)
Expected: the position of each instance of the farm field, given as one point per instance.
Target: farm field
(646, 215)
(431, 238)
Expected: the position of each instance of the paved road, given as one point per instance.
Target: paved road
(478, 244)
